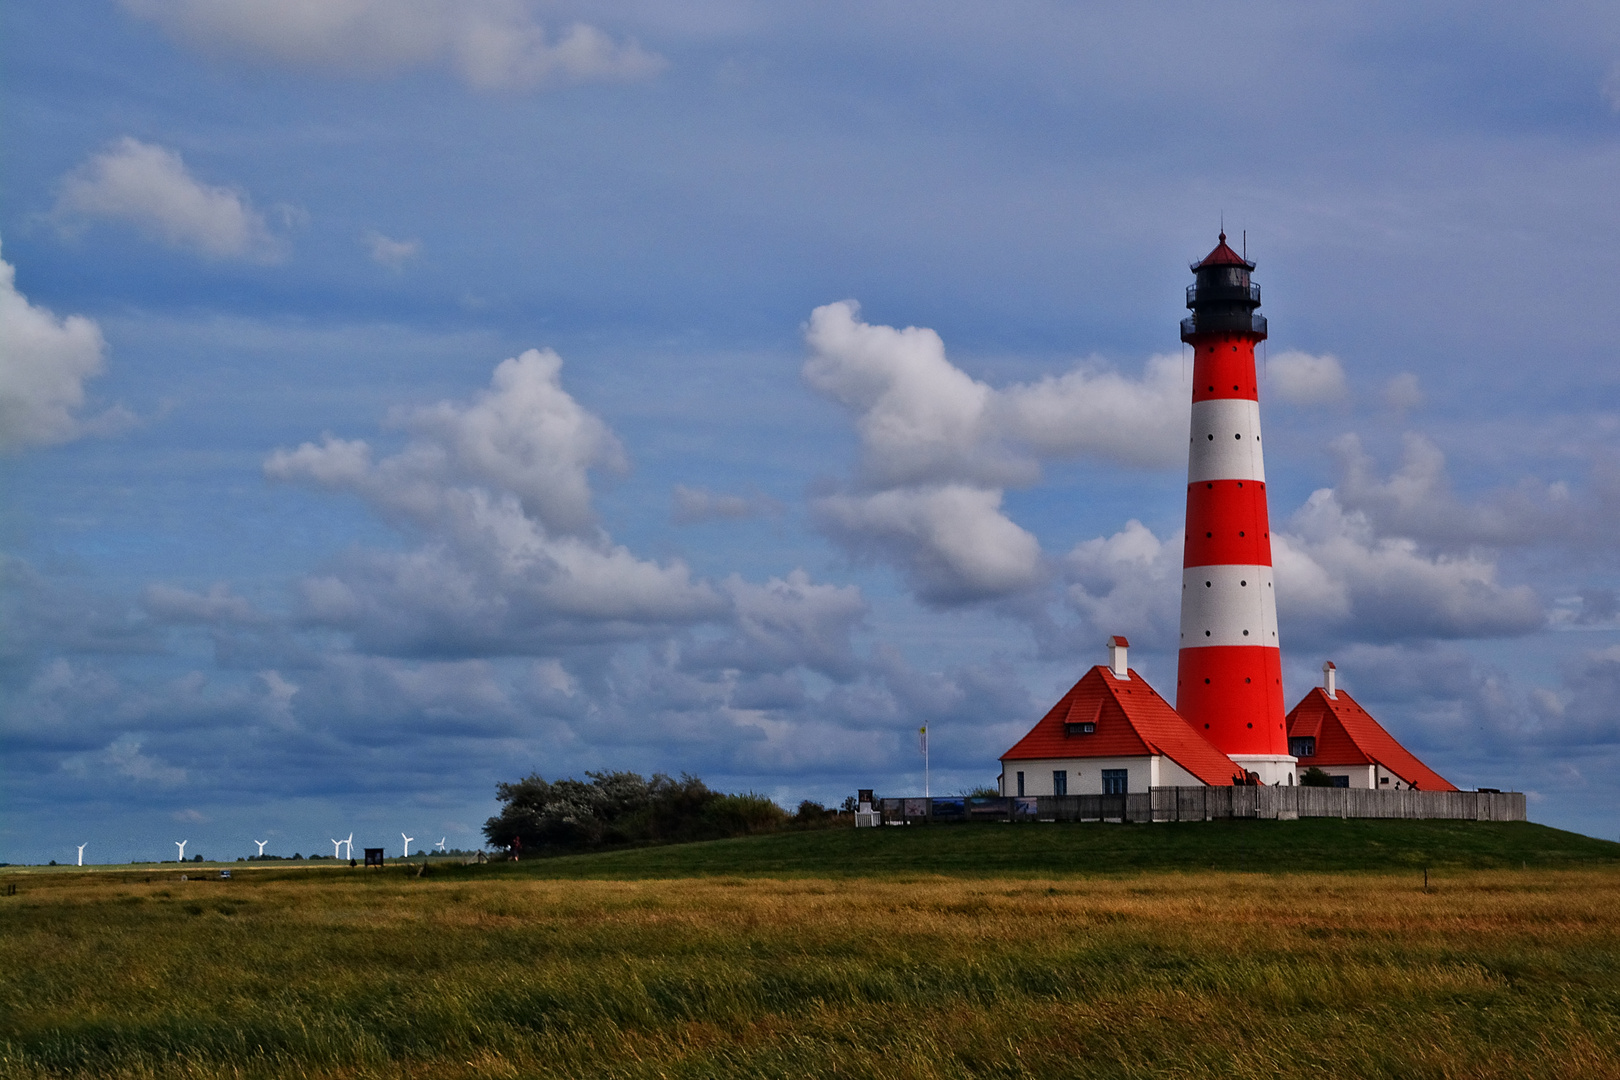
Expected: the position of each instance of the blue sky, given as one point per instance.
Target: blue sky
(399, 397)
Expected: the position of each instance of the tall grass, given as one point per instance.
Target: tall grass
(1489, 973)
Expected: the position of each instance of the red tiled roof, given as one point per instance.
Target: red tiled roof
(1132, 720)
(1347, 735)
(1224, 256)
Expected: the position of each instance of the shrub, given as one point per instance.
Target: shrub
(622, 808)
(1314, 777)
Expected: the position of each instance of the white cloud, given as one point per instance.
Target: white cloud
(786, 622)
(1128, 583)
(1333, 570)
(525, 435)
(514, 560)
(489, 44)
(1302, 379)
(952, 541)
(44, 364)
(938, 447)
(1418, 500)
(123, 757)
(149, 187)
(386, 251)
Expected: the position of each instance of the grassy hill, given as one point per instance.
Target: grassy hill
(1318, 844)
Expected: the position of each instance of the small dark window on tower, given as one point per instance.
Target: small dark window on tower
(1206, 633)
(1208, 584)
(1247, 680)
(1242, 533)
(1237, 436)
(1251, 725)
(1212, 438)
(1245, 584)
(1245, 633)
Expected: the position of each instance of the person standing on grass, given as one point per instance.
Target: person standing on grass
(517, 848)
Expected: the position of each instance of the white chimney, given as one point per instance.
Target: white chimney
(1116, 657)
(1328, 680)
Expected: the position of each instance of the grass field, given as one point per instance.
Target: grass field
(1507, 965)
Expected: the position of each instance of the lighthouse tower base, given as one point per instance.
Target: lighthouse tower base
(1273, 770)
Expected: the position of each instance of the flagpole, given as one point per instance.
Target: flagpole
(924, 731)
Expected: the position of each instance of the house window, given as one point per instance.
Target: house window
(1340, 781)
(1383, 779)
(1305, 746)
(1060, 781)
(1080, 729)
(1020, 784)
(1115, 781)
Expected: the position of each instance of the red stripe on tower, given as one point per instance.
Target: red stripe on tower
(1229, 677)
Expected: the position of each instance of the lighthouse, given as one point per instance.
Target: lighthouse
(1229, 673)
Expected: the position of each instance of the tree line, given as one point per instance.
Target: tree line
(609, 809)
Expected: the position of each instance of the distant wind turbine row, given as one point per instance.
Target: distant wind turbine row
(340, 848)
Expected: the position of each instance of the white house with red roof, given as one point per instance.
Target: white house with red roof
(1330, 731)
(1112, 734)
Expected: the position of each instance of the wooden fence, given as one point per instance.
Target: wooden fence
(1215, 803)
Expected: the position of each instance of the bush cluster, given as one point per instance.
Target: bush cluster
(615, 808)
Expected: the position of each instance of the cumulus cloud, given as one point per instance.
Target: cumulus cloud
(44, 365)
(489, 44)
(1333, 569)
(1418, 500)
(1338, 578)
(1302, 379)
(525, 436)
(386, 251)
(938, 447)
(1128, 583)
(123, 757)
(149, 187)
(952, 541)
(786, 622)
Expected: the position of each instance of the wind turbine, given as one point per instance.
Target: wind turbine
(81, 851)
(181, 844)
(408, 840)
(349, 846)
(261, 844)
(440, 844)
(337, 846)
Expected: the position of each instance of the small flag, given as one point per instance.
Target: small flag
(922, 738)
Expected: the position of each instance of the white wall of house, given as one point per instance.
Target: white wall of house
(1085, 774)
(1365, 776)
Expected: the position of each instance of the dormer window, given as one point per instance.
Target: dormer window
(1087, 728)
(1305, 746)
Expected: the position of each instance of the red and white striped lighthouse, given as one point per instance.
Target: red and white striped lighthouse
(1229, 678)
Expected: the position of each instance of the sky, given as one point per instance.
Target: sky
(398, 397)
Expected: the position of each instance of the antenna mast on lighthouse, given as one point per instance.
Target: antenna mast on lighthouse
(1229, 676)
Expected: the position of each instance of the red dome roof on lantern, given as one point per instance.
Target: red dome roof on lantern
(1223, 256)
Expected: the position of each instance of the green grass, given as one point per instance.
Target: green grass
(1500, 973)
(1318, 844)
(969, 951)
